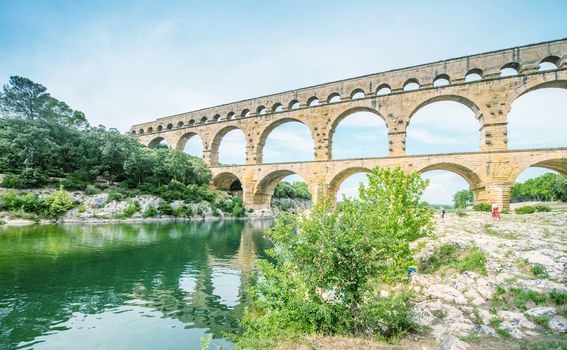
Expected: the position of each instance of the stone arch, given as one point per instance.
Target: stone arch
(411, 84)
(259, 155)
(383, 89)
(180, 124)
(141, 131)
(261, 110)
(441, 80)
(340, 177)
(356, 94)
(133, 132)
(230, 115)
(150, 129)
(513, 67)
(335, 123)
(216, 117)
(312, 101)
(191, 122)
(169, 126)
(180, 145)
(525, 88)
(466, 173)
(474, 181)
(245, 113)
(225, 181)
(277, 107)
(264, 189)
(204, 120)
(155, 142)
(547, 161)
(334, 97)
(554, 60)
(159, 128)
(474, 74)
(293, 104)
(215, 144)
(454, 98)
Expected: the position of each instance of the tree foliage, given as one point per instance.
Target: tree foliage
(327, 263)
(297, 189)
(463, 198)
(547, 187)
(42, 137)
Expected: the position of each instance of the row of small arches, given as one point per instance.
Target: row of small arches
(476, 74)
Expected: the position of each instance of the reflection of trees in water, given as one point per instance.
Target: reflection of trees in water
(49, 272)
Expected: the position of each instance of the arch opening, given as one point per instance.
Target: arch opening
(450, 185)
(141, 131)
(441, 80)
(158, 142)
(537, 118)
(286, 140)
(383, 89)
(510, 69)
(216, 117)
(356, 94)
(191, 143)
(228, 182)
(230, 116)
(245, 113)
(294, 104)
(284, 190)
(159, 128)
(203, 120)
(180, 124)
(411, 85)
(334, 98)
(549, 63)
(359, 133)
(313, 101)
(347, 182)
(544, 183)
(191, 122)
(261, 110)
(277, 107)
(228, 147)
(443, 124)
(169, 126)
(473, 75)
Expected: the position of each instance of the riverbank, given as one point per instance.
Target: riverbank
(484, 284)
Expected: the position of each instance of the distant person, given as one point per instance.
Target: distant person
(495, 212)
(443, 211)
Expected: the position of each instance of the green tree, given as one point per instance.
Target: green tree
(463, 198)
(327, 264)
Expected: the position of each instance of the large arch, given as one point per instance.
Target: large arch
(216, 142)
(180, 145)
(270, 128)
(550, 162)
(264, 189)
(447, 126)
(340, 177)
(154, 143)
(226, 181)
(475, 184)
(536, 117)
(338, 119)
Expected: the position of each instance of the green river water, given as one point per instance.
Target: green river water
(121, 286)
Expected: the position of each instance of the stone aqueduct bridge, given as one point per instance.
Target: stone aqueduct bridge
(490, 172)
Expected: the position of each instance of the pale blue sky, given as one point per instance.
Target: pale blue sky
(133, 61)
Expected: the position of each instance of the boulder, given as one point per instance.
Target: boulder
(541, 311)
(451, 342)
(558, 324)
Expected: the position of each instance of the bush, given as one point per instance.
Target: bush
(559, 297)
(132, 208)
(525, 210)
(482, 207)
(92, 190)
(183, 211)
(165, 209)
(542, 208)
(449, 255)
(539, 270)
(59, 203)
(12, 181)
(150, 212)
(325, 267)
